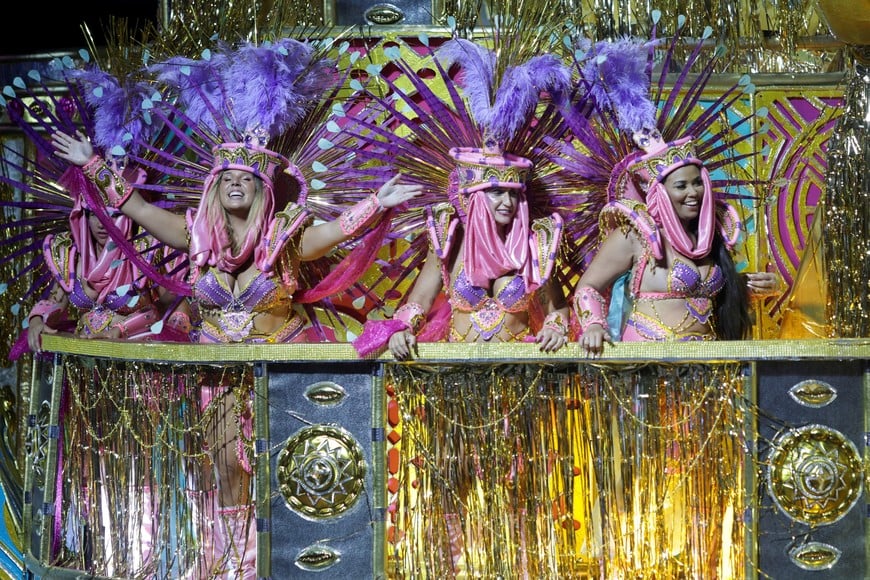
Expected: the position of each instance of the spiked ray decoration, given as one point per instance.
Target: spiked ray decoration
(624, 96)
(71, 99)
(415, 117)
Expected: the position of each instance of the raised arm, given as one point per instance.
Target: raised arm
(168, 227)
(318, 240)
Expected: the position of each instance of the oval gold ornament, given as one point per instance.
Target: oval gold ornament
(384, 14)
(317, 558)
(815, 556)
(813, 393)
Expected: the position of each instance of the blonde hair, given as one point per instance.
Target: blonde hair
(216, 215)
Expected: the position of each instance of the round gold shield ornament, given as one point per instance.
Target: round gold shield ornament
(815, 474)
(321, 472)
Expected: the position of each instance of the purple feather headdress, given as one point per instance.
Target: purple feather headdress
(261, 89)
(618, 80)
(198, 86)
(120, 111)
(271, 87)
(502, 109)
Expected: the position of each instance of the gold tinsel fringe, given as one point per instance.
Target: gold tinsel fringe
(521, 471)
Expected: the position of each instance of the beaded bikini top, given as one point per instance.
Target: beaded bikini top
(512, 297)
(79, 298)
(684, 281)
(263, 293)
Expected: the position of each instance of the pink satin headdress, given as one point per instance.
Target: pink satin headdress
(659, 160)
(485, 255)
(105, 269)
(478, 169)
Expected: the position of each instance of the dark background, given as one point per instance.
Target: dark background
(32, 27)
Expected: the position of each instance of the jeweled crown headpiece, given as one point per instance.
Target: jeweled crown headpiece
(479, 169)
(501, 110)
(661, 159)
(262, 162)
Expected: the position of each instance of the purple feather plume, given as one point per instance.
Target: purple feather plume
(476, 77)
(502, 111)
(118, 115)
(520, 91)
(270, 87)
(198, 85)
(617, 75)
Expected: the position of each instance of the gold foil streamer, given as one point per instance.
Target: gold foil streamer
(523, 471)
(846, 212)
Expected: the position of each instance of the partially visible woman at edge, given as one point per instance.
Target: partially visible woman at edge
(683, 284)
(109, 297)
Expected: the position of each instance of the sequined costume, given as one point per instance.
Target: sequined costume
(100, 313)
(487, 312)
(229, 315)
(684, 283)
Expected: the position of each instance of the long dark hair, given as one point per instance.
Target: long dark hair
(732, 303)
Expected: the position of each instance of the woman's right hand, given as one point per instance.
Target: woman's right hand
(593, 339)
(75, 149)
(35, 328)
(402, 343)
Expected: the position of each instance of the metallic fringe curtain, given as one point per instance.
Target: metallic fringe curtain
(523, 471)
(135, 456)
(847, 212)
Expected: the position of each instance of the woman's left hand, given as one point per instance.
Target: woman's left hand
(393, 193)
(763, 283)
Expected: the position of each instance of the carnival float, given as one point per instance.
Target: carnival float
(730, 459)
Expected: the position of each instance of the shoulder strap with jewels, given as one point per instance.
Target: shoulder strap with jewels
(60, 257)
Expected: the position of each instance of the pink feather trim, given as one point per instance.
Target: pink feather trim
(376, 334)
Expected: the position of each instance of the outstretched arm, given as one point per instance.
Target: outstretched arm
(168, 227)
(318, 240)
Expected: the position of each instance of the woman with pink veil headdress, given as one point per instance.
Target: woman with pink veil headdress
(248, 238)
(664, 218)
(494, 241)
(107, 282)
(478, 260)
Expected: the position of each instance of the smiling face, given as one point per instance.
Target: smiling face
(237, 190)
(503, 205)
(685, 188)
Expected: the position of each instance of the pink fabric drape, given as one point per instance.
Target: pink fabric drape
(485, 255)
(106, 269)
(662, 210)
